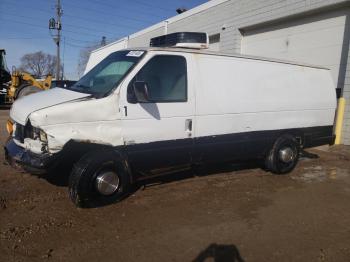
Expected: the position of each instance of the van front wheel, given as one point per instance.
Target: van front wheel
(98, 178)
(284, 155)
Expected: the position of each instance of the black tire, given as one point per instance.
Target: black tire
(83, 178)
(275, 160)
(27, 90)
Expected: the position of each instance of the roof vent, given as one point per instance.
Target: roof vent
(181, 10)
(182, 39)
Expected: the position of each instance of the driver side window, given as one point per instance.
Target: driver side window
(166, 79)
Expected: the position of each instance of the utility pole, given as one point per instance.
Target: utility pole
(103, 41)
(59, 27)
(56, 25)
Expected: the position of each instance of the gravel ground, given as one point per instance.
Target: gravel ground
(227, 214)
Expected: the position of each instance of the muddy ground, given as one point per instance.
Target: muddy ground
(241, 215)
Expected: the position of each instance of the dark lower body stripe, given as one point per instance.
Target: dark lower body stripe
(210, 149)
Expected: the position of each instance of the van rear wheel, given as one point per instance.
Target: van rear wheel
(98, 178)
(284, 155)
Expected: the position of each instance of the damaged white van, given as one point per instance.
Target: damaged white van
(145, 111)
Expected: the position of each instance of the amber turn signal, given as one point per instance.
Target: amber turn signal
(9, 127)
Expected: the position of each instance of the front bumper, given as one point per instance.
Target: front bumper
(18, 156)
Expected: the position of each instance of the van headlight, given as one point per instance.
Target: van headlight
(43, 136)
(38, 133)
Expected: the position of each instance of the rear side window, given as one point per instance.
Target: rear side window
(166, 78)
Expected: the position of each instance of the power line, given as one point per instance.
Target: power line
(78, 40)
(117, 8)
(28, 38)
(63, 56)
(100, 21)
(68, 25)
(89, 28)
(94, 21)
(76, 46)
(130, 9)
(38, 38)
(79, 18)
(10, 4)
(39, 26)
(21, 22)
(110, 14)
(94, 46)
(153, 6)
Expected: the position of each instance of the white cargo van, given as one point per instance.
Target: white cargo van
(158, 109)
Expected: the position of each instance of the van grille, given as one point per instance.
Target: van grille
(19, 133)
(23, 132)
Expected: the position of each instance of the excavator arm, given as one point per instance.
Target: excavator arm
(23, 83)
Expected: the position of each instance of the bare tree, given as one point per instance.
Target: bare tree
(38, 64)
(84, 58)
(85, 54)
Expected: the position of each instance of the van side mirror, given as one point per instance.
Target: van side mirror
(141, 92)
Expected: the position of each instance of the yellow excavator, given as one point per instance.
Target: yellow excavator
(18, 84)
(23, 84)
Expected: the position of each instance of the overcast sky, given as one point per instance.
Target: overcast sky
(24, 24)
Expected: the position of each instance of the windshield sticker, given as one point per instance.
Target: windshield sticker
(135, 53)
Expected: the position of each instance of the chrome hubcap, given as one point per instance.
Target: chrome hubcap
(286, 155)
(107, 183)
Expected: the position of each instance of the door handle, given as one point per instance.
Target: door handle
(188, 127)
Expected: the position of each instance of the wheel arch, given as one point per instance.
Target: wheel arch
(74, 150)
(297, 134)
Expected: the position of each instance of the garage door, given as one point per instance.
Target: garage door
(316, 40)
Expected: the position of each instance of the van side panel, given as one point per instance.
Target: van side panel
(259, 100)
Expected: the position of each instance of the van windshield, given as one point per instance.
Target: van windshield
(106, 75)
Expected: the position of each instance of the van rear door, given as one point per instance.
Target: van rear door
(158, 134)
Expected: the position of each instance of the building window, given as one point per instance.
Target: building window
(214, 42)
(214, 39)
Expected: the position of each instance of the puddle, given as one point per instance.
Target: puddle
(336, 173)
(320, 174)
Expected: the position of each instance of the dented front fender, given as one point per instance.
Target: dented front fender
(93, 121)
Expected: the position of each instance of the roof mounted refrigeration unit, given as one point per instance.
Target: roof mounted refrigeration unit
(194, 40)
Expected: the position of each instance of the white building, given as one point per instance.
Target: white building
(310, 31)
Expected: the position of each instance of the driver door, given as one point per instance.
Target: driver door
(159, 134)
